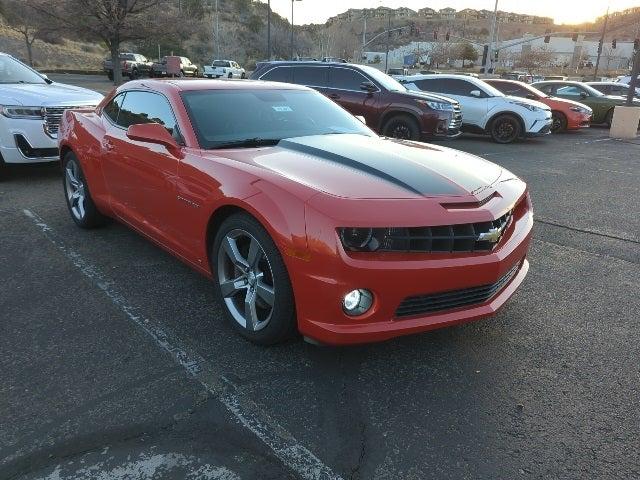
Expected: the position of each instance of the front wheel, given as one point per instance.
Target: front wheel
(558, 122)
(252, 280)
(403, 127)
(244, 75)
(609, 118)
(230, 75)
(79, 202)
(505, 129)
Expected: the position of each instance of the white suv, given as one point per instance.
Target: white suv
(31, 107)
(486, 110)
(224, 68)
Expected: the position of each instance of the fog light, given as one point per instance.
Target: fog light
(357, 302)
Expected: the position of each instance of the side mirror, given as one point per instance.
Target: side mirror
(44, 76)
(583, 95)
(475, 93)
(531, 96)
(362, 119)
(157, 134)
(368, 87)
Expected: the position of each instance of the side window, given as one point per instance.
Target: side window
(278, 74)
(548, 89)
(427, 85)
(311, 76)
(462, 87)
(346, 79)
(112, 109)
(570, 90)
(515, 90)
(146, 107)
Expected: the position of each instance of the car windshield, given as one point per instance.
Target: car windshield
(225, 117)
(13, 71)
(383, 79)
(220, 63)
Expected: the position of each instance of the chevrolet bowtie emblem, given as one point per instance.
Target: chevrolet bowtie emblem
(495, 233)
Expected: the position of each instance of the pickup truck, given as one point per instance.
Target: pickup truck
(224, 68)
(133, 65)
(187, 69)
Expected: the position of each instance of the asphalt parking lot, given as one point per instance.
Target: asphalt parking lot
(116, 363)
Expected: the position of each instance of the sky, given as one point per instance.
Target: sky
(562, 11)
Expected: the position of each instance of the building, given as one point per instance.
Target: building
(447, 13)
(427, 13)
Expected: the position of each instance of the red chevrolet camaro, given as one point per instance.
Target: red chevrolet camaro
(304, 218)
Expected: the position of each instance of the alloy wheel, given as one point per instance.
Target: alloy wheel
(246, 280)
(75, 189)
(504, 130)
(401, 131)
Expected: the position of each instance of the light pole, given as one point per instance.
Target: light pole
(292, 26)
(494, 26)
(269, 30)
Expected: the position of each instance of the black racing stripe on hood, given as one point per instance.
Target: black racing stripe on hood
(404, 174)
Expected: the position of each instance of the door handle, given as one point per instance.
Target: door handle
(334, 96)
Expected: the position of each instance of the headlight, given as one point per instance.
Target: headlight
(528, 106)
(435, 105)
(356, 239)
(18, 111)
(581, 110)
(362, 239)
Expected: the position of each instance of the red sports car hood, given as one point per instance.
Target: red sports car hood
(357, 166)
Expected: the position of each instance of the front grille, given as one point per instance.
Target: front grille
(425, 304)
(456, 118)
(465, 237)
(52, 119)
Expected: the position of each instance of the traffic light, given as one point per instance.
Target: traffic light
(574, 37)
(547, 38)
(614, 43)
(435, 35)
(600, 46)
(447, 36)
(495, 56)
(412, 29)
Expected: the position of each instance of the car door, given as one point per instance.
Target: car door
(474, 108)
(141, 176)
(345, 88)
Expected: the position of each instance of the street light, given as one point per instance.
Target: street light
(269, 30)
(292, 26)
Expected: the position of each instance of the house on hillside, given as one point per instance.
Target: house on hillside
(427, 13)
(468, 14)
(484, 13)
(404, 12)
(543, 20)
(383, 12)
(447, 13)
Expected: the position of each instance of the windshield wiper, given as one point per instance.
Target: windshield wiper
(249, 143)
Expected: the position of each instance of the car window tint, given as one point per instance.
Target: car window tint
(312, 76)
(346, 79)
(548, 89)
(570, 90)
(146, 107)
(112, 109)
(278, 74)
(512, 89)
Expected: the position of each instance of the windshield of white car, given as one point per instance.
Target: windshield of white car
(13, 71)
(383, 79)
(250, 118)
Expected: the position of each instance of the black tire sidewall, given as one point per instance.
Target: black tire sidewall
(563, 122)
(406, 120)
(92, 217)
(283, 324)
(500, 119)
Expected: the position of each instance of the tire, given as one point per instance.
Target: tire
(181, 74)
(81, 207)
(558, 122)
(195, 73)
(401, 126)
(608, 119)
(110, 76)
(134, 75)
(505, 129)
(230, 75)
(273, 310)
(244, 75)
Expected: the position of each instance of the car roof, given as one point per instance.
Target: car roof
(184, 85)
(287, 63)
(605, 83)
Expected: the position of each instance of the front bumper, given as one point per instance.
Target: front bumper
(320, 286)
(540, 127)
(578, 121)
(25, 141)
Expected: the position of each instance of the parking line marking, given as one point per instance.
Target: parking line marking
(292, 453)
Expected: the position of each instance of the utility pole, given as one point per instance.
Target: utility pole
(634, 78)
(269, 30)
(386, 57)
(364, 36)
(217, 32)
(494, 26)
(600, 46)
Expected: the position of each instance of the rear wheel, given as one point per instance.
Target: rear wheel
(230, 75)
(609, 118)
(401, 126)
(558, 122)
(252, 281)
(505, 129)
(244, 75)
(79, 202)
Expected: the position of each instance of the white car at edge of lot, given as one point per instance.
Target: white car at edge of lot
(485, 109)
(31, 107)
(224, 69)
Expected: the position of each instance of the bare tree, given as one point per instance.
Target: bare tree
(534, 59)
(21, 18)
(112, 21)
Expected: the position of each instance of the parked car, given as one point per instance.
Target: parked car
(334, 60)
(31, 106)
(386, 105)
(626, 79)
(485, 109)
(133, 65)
(601, 104)
(304, 218)
(187, 69)
(224, 68)
(398, 72)
(614, 88)
(565, 114)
